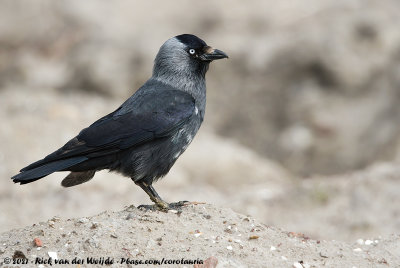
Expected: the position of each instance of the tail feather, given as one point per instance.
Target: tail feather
(27, 176)
(76, 178)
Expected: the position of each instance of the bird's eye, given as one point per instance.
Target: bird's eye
(192, 51)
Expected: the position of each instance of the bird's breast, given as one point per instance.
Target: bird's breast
(184, 136)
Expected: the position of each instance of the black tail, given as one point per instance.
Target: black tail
(29, 175)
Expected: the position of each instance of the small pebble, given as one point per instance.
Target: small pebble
(197, 234)
(52, 255)
(360, 241)
(130, 216)
(38, 242)
(229, 248)
(297, 265)
(369, 242)
(208, 263)
(284, 258)
(83, 220)
(357, 250)
(56, 218)
(94, 225)
(272, 248)
(151, 243)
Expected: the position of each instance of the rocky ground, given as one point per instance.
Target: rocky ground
(203, 232)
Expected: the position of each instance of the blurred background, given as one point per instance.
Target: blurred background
(302, 125)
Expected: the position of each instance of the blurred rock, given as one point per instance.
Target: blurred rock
(319, 94)
(313, 85)
(346, 207)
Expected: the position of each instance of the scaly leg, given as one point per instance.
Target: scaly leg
(159, 203)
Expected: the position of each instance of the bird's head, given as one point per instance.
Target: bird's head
(185, 54)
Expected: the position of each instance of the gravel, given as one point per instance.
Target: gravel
(226, 238)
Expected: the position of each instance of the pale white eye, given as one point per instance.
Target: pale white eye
(192, 51)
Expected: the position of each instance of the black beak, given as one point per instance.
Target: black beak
(210, 54)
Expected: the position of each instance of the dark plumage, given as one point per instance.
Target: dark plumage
(142, 138)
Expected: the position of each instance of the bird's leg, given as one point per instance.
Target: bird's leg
(151, 192)
(160, 204)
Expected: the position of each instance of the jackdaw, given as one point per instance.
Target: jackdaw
(144, 137)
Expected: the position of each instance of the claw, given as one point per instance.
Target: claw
(164, 206)
(178, 205)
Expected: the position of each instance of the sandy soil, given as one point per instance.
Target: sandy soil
(200, 232)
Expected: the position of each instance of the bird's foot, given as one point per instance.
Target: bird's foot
(163, 206)
(178, 205)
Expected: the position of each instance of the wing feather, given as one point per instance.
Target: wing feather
(153, 115)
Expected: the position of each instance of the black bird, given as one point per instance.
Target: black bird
(143, 138)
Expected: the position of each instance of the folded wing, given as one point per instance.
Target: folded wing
(152, 115)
